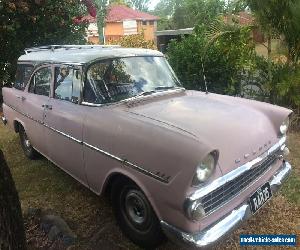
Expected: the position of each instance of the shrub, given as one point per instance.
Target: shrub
(224, 59)
(134, 41)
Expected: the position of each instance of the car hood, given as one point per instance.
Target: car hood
(239, 129)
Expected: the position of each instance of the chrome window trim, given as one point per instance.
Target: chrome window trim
(205, 190)
(91, 104)
(123, 161)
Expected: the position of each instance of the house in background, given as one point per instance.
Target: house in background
(121, 21)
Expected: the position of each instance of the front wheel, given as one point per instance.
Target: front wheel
(135, 215)
(29, 151)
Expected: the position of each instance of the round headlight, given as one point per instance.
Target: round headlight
(204, 170)
(285, 126)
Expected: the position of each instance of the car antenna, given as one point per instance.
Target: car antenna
(204, 77)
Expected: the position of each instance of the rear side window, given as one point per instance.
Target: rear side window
(22, 76)
(40, 82)
(67, 84)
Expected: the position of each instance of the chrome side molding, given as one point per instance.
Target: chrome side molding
(125, 163)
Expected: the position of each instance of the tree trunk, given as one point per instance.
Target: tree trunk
(269, 46)
(101, 14)
(12, 234)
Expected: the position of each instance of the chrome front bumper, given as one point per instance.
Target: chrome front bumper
(4, 120)
(220, 229)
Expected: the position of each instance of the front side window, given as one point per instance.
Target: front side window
(40, 82)
(22, 76)
(67, 84)
(122, 78)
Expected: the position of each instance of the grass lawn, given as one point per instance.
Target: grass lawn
(42, 185)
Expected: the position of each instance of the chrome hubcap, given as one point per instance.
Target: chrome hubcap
(135, 207)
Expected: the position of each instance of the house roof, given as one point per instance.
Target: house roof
(118, 13)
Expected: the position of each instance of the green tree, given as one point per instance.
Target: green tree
(118, 2)
(282, 16)
(193, 12)
(141, 5)
(35, 23)
(224, 53)
(178, 14)
(101, 6)
(165, 10)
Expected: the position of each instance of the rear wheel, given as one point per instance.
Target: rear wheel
(135, 215)
(29, 151)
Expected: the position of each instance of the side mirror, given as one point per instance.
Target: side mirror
(18, 85)
(75, 99)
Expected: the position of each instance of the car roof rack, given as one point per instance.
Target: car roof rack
(67, 47)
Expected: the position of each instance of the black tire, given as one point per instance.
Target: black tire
(135, 215)
(29, 151)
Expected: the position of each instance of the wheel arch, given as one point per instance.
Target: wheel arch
(114, 175)
(16, 125)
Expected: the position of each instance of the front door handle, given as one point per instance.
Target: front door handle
(46, 106)
(22, 98)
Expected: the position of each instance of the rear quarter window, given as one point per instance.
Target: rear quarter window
(22, 76)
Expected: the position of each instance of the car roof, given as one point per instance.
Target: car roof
(81, 54)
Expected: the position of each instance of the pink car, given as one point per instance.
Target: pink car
(185, 164)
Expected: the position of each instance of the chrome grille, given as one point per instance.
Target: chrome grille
(232, 188)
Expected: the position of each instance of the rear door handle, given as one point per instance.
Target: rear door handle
(46, 106)
(22, 98)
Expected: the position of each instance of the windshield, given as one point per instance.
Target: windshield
(122, 78)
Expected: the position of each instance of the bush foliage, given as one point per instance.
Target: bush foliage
(134, 41)
(223, 60)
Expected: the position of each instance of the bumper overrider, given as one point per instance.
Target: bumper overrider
(224, 226)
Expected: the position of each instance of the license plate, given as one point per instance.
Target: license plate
(260, 197)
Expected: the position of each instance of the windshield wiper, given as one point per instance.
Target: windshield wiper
(156, 90)
(146, 93)
(164, 87)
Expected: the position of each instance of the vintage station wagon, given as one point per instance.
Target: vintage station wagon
(189, 165)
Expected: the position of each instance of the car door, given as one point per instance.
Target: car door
(33, 106)
(64, 122)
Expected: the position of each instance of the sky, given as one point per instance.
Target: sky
(153, 3)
